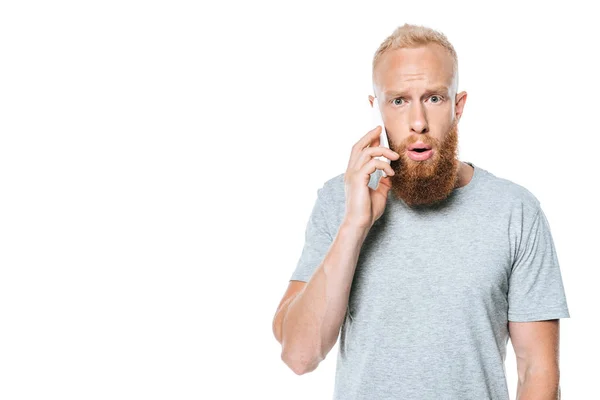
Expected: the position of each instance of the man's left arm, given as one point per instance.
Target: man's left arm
(536, 346)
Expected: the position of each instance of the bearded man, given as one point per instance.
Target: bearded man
(425, 286)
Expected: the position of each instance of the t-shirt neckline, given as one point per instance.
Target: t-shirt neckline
(472, 183)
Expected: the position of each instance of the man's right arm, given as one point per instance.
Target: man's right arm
(308, 324)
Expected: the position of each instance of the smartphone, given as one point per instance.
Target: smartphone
(383, 139)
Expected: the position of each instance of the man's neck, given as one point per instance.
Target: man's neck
(465, 174)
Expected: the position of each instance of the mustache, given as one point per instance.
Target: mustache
(426, 138)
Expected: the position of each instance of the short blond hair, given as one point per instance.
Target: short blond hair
(411, 36)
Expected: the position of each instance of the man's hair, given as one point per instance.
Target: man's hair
(411, 36)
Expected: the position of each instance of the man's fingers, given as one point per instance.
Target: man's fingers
(365, 141)
(375, 151)
(375, 164)
(368, 138)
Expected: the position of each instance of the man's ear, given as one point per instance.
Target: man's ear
(461, 99)
(371, 99)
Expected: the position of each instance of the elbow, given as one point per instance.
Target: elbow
(298, 367)
(277, 330)
(300, 362)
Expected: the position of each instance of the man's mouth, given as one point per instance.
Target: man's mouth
(419, 146)
(419, 154)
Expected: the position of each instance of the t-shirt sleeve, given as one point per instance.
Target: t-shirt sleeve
(317, 239)
(536, 291)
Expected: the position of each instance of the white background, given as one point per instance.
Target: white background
(159, 160)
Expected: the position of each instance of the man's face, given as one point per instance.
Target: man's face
(416, 92)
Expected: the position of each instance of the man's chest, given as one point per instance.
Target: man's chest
(428, 268)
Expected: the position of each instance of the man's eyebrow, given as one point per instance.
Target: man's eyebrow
(398, 93)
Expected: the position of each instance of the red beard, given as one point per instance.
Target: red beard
(429, 181)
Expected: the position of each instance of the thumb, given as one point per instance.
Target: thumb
(385, 183)
(383, 188)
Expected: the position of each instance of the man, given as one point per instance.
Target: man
(427, 284)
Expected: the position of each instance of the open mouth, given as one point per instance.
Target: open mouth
(420, 154)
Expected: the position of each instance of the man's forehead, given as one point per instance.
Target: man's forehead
(393, 90)
(432, 57)
(413, 75)
(405, 84)
(423, 68)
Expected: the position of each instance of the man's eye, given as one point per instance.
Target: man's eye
(396, 101)
(436, 97)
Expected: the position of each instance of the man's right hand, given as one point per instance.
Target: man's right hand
(364, 205)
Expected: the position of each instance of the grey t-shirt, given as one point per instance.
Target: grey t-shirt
(435, 287)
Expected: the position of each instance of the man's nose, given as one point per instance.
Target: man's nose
(418, 119)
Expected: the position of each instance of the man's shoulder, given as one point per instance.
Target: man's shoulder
(511, 192)
(333, 188)
(335, 183)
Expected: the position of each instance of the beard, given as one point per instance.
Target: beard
(429, 181)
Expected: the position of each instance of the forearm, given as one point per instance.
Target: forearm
(312, 320)
(541, 385)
